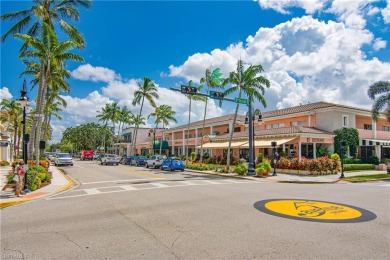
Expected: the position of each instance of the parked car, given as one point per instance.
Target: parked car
(63, 159)
(128, 160)
(109, 159)
(86, 155)
(138, 161)
(155, 161)
(96, 156)
(172, 164)
(123, 160)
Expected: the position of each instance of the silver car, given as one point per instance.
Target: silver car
(109, 159)
(155, 161)
(63, 159)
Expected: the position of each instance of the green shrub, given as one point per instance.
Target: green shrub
(355, 167)
(352, 161)
(4, 163)
(371, 160)
(240, 169)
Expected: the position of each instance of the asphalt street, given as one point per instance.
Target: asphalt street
(127, 212)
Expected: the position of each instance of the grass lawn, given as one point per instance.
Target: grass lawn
(367, 177)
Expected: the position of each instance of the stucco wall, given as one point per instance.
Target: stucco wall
(332, 120)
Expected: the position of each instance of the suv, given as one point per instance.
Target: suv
(155, 161)
(63, 159)
(109, 159)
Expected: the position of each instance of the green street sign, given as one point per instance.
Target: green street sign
(241, 101)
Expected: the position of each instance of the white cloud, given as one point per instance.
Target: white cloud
(379, 44)
(89, 73)
(306, 60)
(386, 13)
(4, 93)
(282, 6)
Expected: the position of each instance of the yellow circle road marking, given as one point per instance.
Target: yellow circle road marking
(313, 209)
(141, 173)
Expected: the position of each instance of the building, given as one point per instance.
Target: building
(298, 131)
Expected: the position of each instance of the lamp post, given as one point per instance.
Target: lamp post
(249, 120)
(23, 101)
(154, 140)
(274, 144)
(342, 146)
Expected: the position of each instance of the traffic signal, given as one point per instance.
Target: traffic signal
(188, 90)
(216, 95)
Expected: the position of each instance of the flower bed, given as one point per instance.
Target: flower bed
(38, 176)
(319, 166)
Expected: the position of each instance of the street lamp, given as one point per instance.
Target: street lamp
(342, 146)
(23, 101)
(249, 120)
(274, 144)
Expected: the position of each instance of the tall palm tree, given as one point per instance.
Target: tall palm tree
(380, 93)
(104, 116)
(164, 114)
(49, 12)
(146, 90)
(50, 52)
(213, 79)
(12, 114)
(249, 82)
(191, 97)
(52, 109)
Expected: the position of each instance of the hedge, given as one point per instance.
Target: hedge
(354, 167)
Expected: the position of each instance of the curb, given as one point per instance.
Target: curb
(68, 186)
(356, 181)
(222, 175)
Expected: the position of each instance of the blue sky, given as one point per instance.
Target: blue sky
(318, 50)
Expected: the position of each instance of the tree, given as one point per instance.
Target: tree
(380, 93)
(137, 121)
(249, 82)
(191, 97)
(146, 90)
(213, 80)
(50, 52)
(49, 12)
(350, 136)
(12, 112)
(164, 114)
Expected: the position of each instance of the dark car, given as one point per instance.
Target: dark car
(123, 159)
(172, 164)
(138, 161)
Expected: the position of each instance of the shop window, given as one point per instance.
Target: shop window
(386, 128)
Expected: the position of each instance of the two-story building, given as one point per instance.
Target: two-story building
(299, 131)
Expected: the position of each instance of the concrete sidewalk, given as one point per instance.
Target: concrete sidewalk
(294, 178)
(59, 182)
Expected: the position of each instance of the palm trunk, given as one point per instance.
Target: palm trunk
(46, 118)
(136, 128)
(201, 140)
(40, 101)
(162, 138)
(188, 130)
(231, 133)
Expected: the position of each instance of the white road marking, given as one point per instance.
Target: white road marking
(156, 185)
(97, 182)
(78, 166)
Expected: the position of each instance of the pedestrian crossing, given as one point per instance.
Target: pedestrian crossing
(144, 185)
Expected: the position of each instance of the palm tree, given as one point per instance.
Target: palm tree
(146, 90)
(191, 97)
(380, 93)
(50, 52)
(248, 82)
(12, 114)
(164, 114)
(49, 12)
(52, 109)
(213, 80)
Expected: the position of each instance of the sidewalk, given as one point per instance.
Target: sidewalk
(59, 182)
(293, 178)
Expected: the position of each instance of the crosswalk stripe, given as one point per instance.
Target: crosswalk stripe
(128, 187)
(159, 185)
(92, 191)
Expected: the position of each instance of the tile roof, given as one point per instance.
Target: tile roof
(293, 130)
(211, 121)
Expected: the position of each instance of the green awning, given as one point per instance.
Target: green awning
(157, 145)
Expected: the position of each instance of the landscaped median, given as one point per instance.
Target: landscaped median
(371, 177)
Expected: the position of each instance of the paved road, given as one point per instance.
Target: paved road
(123, 212)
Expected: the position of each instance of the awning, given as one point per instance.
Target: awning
(222, 145)
(163, 146)
(266, 143)
(375, 142)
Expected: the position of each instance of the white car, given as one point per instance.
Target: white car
(109, 159)
(155, 161)
(63, 159)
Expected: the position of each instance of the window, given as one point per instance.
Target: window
(367, 127)
(237, 129)
(297, 123)
(268, 127)
(345, 121)
(281, 125)
(386, 128)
